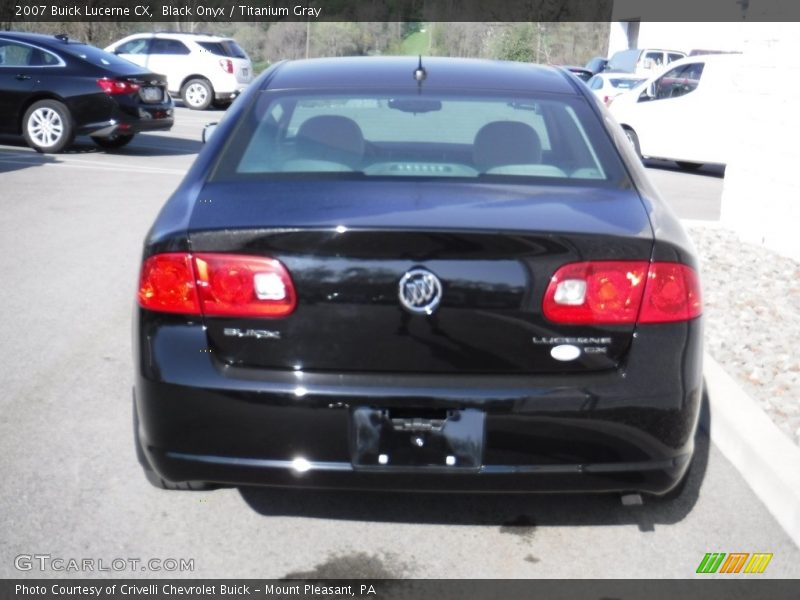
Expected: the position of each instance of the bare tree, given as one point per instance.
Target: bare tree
(285, 40)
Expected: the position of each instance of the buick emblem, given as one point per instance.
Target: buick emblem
(420, 291)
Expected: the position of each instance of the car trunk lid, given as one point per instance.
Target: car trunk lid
(347, 255)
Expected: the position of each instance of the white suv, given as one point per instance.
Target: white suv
(200, 68)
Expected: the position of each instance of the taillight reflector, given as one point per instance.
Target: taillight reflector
(672, 294)
(216, 285)
(244, 286)
(620, 292)
(167, 284)
(226, 64)
(117, 86)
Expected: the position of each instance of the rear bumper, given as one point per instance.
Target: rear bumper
(131, 120)
(654, 477)
(631, 429)
(230, 92)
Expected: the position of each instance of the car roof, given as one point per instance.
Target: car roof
(649, 50)
(398, 71)
(49, 41)
(727, 57)
(197, 37)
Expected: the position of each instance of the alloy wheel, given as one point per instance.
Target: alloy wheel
(45, 127)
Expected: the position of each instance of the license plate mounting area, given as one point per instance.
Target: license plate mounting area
(409, 438)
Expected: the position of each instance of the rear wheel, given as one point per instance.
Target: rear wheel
(163, 484)
(197, 94)
(114, 141)
(47, 126)
(633, 140)
(688, 166)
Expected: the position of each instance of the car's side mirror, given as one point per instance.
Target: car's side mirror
(208, 131)
(649, 92)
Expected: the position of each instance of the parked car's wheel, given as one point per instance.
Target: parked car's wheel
(688, 166)
(633, 139)
(114, 141)
(47, 126)
(197, 94)
(163, 484)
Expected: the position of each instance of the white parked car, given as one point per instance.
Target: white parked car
(687, 114)
(608, 86)
(201, 69)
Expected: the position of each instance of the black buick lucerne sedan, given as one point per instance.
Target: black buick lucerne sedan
(53, 88)
(437, 275)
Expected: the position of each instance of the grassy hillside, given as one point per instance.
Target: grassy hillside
(416, 43)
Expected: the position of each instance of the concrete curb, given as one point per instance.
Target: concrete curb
(762, 453)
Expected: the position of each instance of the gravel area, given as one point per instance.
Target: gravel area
(752, 317)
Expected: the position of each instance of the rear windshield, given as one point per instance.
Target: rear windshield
(439, 135)
(224, 48)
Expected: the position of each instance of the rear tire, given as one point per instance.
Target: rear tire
(47, 126)
(688, 166)
(197, 94)
(114, 141)
(185, 486)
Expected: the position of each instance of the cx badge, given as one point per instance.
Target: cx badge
(420, 291)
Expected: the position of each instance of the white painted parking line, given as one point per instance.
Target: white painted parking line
(85, 164)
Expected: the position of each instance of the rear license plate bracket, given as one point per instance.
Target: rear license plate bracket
(151, 94)
(382, 440)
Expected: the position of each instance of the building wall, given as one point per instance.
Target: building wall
(727, 37)
(761, 192)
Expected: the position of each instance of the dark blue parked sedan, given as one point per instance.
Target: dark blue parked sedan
(418, 275)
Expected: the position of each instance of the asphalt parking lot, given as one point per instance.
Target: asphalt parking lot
(70, 239)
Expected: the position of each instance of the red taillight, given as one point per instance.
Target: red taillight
(217, 285)
(167, 284)
(117, 86)
(226, 64)
(244, 286)
(672, 293)
(595, 292)
(620, 292)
